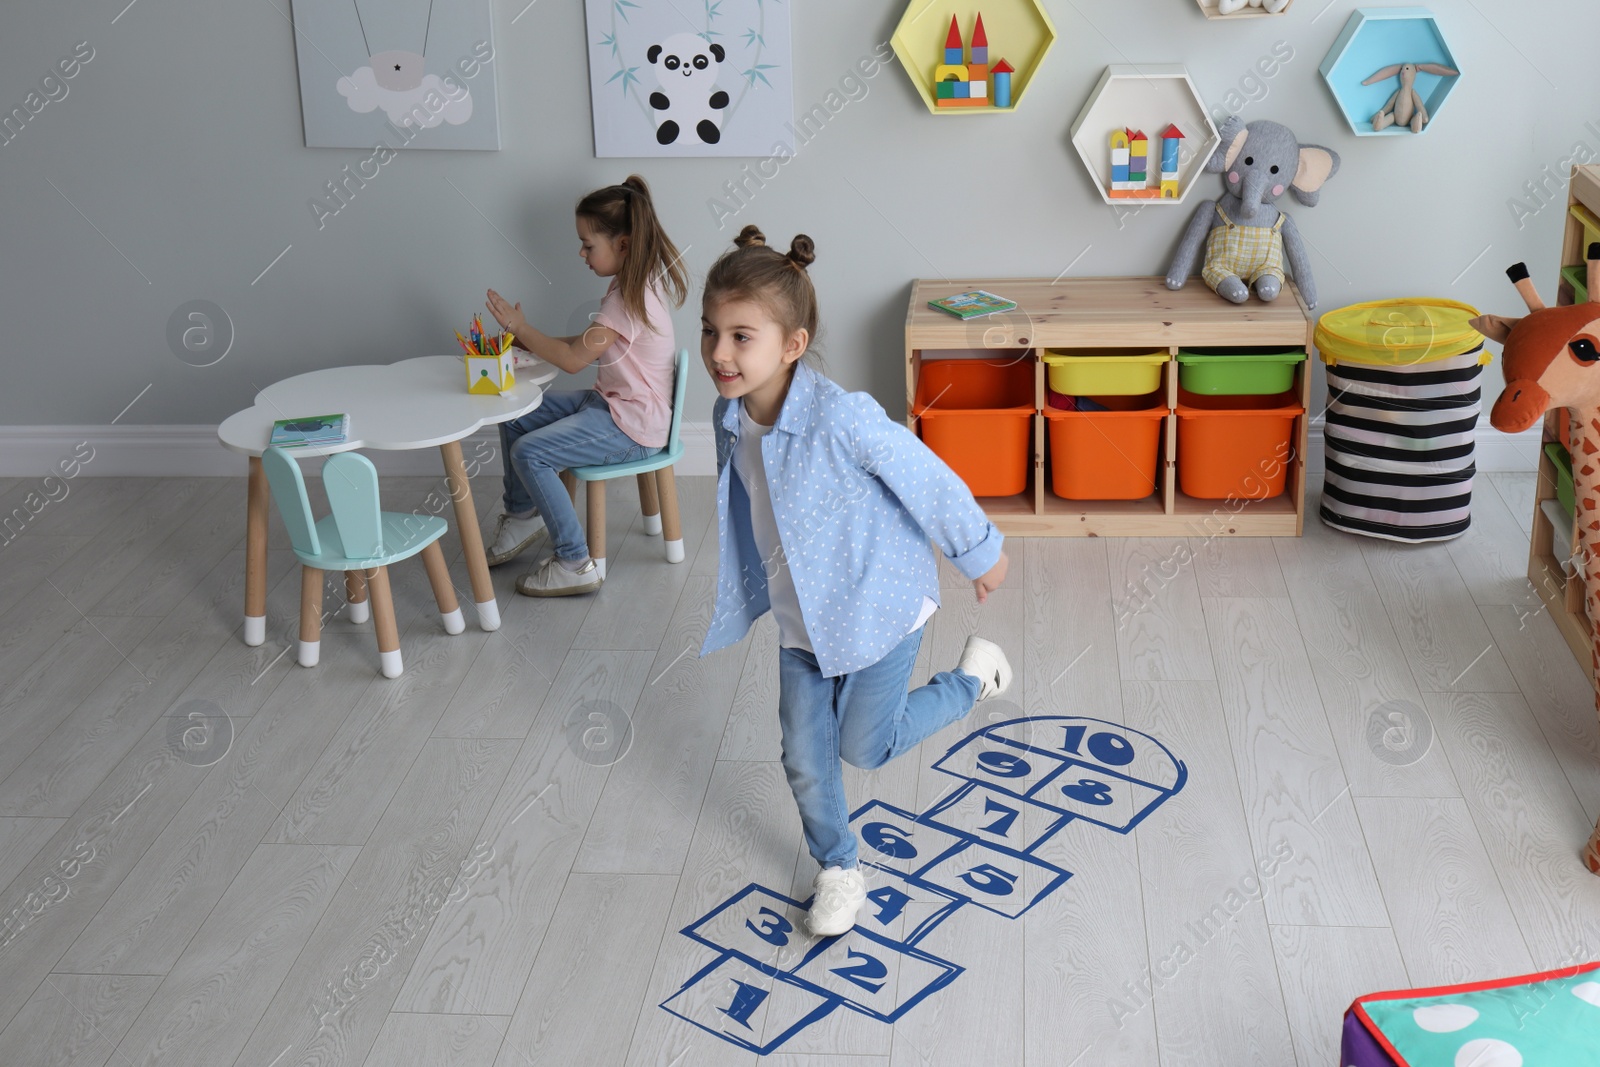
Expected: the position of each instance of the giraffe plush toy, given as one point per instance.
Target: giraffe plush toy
(1549, 362)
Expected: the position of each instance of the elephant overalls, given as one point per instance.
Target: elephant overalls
(1247, 252)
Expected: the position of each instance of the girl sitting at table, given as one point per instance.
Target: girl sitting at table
(626, 416)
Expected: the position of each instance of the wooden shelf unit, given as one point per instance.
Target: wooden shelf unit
(1563, 595)
(1137, 314)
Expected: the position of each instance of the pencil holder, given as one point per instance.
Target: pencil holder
(491, 375)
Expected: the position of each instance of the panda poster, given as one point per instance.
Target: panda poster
(689, 77)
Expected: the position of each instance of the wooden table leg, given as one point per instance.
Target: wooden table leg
(255, 555)
(455, 472)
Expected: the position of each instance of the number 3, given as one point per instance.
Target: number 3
(774, 929)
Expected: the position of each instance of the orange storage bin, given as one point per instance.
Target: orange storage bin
(1235, 446)
(1106, 455)
(977, 416)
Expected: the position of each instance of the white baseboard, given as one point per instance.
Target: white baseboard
(193, 451)
(177, 451)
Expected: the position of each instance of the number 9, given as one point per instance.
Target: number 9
(1004, 764)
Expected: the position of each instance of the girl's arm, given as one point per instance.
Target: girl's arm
(930, 491)
(570, 354)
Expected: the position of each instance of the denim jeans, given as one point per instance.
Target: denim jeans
(570, 428)
(865, 718)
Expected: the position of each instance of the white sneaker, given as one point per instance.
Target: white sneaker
(986, 662)
(513, 536)
(837, 895)
(550, 578)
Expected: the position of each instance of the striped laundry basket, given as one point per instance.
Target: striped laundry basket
(1403, 405)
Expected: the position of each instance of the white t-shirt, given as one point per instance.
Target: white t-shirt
(764, 526)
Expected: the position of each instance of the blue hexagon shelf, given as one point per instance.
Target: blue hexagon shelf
(1378, 37)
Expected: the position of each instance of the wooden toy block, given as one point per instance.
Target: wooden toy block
(979, 90)
(1001, 73)
(952, 44)
(977, 72)
(1135, 194)
(1169, 188)
(980, 54)
(944, 90)
(950, 72)
(969, 102)
(963, 90)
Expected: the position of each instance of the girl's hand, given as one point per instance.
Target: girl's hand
(508, 315)
(988, 582)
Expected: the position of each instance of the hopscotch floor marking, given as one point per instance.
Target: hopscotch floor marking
(769, 980)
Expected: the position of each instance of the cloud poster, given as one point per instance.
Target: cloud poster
(418, 71)
(689, 77)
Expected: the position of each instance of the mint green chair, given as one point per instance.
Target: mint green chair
(658, 488)
(361, 540)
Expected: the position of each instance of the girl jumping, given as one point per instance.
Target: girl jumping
(825, 510)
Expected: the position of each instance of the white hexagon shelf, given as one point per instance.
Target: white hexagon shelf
(1018, 32)
(1144, 99)
(1376, 38)
(1212, 9)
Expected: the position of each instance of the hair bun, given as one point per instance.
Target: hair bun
(802, 252)
(637, 184)
(750, 235)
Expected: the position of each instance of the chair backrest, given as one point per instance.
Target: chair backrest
(351, 482)
(289, 490)
(679, 387)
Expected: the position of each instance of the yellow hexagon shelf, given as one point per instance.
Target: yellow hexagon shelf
(1018, 34)
(1145, 99)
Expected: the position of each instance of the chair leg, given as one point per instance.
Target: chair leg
(444, 594)
(383, 622)
(310, 616)
(570, 480)
(597, 526)
(355, 595)
(671, 523)
(648, 504)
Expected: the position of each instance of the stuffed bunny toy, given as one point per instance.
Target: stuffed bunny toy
(1245, 238)
(1228, 7)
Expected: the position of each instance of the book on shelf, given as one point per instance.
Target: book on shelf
(310, 430)
(973, 305)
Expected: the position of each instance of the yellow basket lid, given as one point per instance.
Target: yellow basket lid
(1398, 332)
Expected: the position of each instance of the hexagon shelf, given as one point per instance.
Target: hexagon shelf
(1210, 9)
(1378, 37)
(1017, 31)
(1146, 99)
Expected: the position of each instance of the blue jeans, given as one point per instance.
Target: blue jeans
(865, 718)
(571, 428)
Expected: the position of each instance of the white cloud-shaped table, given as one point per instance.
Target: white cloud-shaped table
(416, 403)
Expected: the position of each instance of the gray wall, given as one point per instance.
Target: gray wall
(180, 143)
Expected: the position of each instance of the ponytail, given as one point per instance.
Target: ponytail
(627, 210)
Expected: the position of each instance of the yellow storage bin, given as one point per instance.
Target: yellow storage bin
(1591, 225)
(1104, 371)
(1398, 333)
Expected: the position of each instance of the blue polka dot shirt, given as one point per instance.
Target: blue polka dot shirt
(857, 498)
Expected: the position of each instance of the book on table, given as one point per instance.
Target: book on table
(310, 430)
(972, 305)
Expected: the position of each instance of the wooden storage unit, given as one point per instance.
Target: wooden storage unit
(1133, 313)
(1563, 595)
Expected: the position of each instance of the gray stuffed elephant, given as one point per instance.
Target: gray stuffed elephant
(1244, 237)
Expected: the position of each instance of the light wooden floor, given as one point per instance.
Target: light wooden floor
(489, 860)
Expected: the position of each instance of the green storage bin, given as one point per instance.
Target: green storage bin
(1238, 371)
(1104, 371)
(1578, 277)
(1564, 490)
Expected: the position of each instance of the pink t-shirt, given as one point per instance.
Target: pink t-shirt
(635, 373)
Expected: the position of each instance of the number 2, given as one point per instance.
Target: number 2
(862, 973)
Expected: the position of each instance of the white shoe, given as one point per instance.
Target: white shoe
(837, 895)
(513, 536)
(551, 578)
(986, 662)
